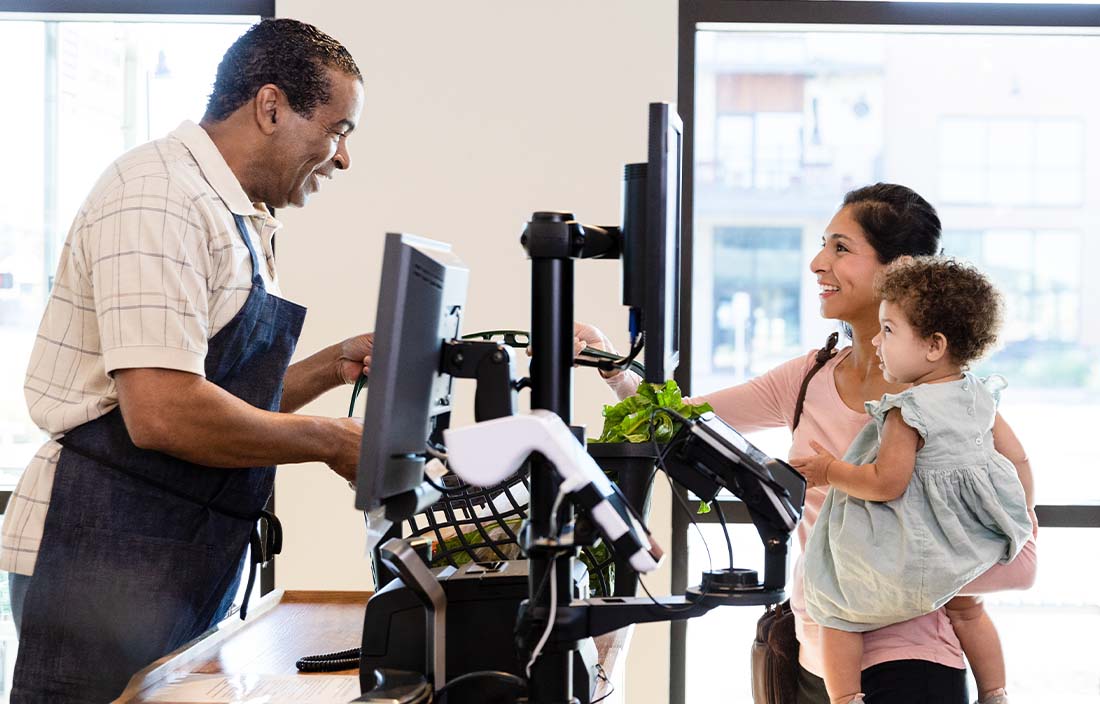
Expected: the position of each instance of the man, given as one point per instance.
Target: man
(161, 373)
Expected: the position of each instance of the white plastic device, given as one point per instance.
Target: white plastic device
(486, 453)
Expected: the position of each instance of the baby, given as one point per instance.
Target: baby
(922, 503)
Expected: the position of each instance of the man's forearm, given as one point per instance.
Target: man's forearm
(186, 416)
(311, 377)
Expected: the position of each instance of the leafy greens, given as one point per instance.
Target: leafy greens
(634, 419)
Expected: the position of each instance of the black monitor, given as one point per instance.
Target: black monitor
(651, 243)
(420, 304)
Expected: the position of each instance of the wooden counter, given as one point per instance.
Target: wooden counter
(285, 625)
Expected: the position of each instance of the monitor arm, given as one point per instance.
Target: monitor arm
(554, 234)
(492, 365)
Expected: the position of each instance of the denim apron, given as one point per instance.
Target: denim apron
(142, 552)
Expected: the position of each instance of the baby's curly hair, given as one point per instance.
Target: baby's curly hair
(943, 295)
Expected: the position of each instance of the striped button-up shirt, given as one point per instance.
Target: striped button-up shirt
(153, 267)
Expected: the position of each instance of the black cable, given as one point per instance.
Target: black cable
(665, 607)
(680, 499)
(684, 506)
(519, 339)
(359, 384)
(601, 358)
(634, 352)
(725, 529)
(500, 675)
(445, 490)
(329, 662)
(601, 675)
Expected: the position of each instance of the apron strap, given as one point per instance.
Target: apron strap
(261, 550)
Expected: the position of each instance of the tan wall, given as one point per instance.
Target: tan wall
(476, 115)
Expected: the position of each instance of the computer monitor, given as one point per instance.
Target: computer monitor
(651, 243)
(420, 304)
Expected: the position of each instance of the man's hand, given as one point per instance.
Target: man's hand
(816, 467)
(355, 357)
(344, 459)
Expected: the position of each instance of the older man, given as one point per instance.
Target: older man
(161, 373)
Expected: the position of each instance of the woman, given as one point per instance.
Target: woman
(919, 660)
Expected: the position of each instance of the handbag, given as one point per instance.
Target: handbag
(774, 654)
(775, 657)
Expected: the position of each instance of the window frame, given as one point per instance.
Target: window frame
(694, 13)
(262, 8)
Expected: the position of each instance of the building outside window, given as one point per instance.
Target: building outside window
(1012, 161)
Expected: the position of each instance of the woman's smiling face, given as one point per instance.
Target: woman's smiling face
(845, 269)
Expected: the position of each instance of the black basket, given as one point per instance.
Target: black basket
(472, 524)
(475, 524)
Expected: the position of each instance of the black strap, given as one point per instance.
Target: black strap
(823, 356)
(262, 549)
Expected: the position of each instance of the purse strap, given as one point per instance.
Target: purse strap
(823, 356)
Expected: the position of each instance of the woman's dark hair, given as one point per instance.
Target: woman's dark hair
(896, 220)
(290, 54)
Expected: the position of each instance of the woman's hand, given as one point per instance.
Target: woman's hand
(816, 467)
(585, 335)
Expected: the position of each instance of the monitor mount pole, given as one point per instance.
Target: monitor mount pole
(553, 240)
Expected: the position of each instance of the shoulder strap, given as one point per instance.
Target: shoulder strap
(823, 355)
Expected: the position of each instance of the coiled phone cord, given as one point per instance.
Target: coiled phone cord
(329, 662)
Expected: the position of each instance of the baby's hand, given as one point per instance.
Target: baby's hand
(816, 467)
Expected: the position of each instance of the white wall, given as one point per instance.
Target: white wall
(476, 115)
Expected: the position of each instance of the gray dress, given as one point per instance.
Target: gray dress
(871, 563)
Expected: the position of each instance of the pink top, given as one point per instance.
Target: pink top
(768, 401)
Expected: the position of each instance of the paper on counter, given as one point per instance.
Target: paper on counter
(259, 689)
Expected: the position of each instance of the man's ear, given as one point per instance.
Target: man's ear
(268, 102)
(937, 347)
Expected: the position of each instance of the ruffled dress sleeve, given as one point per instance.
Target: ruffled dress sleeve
(909, 405)
(994, 384)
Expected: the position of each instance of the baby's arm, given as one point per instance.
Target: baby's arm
(1006, 443)
(883, 480)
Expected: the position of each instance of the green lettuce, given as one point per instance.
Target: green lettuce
(633, 419)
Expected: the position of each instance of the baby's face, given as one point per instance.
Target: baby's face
(902, 352)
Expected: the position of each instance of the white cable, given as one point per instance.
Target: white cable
(553, 612)
(553, 586)
(554, 512)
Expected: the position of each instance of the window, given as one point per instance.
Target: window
(795, 104)
(87, 92)
(1039, 273)
(757, 285)
(82, 94)
(1012, 161)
